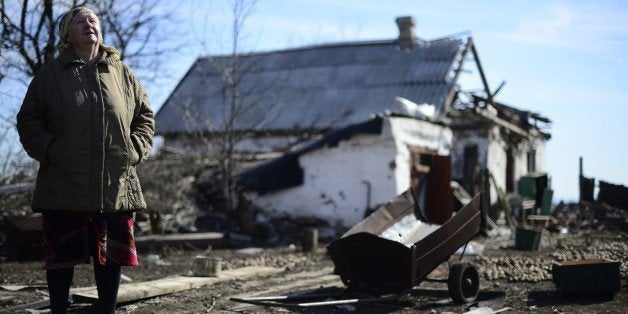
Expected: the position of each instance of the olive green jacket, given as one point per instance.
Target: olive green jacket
(88, 126)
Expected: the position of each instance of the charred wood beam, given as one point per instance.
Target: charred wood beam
(502, 107)
(463, 56)
(503, 123)
(481, 70)
(501, 85)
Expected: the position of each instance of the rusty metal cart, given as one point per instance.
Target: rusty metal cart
(369, 263)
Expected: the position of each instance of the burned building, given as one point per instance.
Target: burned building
(299, 101)
(509, 142)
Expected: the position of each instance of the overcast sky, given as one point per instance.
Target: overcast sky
(563, 59)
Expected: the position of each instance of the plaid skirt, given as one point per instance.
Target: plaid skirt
(70, 238)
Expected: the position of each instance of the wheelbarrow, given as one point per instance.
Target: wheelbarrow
(370, 263)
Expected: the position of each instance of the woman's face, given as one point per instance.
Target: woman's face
(84, 30)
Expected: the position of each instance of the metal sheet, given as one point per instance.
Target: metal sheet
(346, 71)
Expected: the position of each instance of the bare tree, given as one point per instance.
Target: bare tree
(241, 101)
(220, 141)
(234, 104)
(142, 31)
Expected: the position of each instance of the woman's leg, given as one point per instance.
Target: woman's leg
(59, 281)
(107, 283)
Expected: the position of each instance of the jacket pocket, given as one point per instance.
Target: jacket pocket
(54, 154)
(132, 156)
(134, 192)
(54, 184)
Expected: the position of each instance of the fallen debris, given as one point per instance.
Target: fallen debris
(312, 300)
(142, 290)
(24, 286)
(198, 240)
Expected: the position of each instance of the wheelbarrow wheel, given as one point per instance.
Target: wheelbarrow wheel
(463, 283)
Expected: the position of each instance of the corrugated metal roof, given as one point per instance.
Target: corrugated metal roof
(311, 87)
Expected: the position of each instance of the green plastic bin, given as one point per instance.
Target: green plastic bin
(528, 239)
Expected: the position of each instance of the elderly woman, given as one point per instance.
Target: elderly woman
(87, 121)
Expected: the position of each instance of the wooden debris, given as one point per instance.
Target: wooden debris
(200, 240)
(142, 290)
(28, 306)
(24, 286)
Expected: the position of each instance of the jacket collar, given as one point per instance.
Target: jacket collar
(70, 57)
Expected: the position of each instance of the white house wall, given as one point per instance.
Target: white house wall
(540, 147)
(463, 139)
(521, 157)
(336, 179)
(496, 161)
(492, 155)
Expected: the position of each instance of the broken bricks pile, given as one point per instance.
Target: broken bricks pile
(538, 268)
(614, 249)
(587, 221)
(289, 261)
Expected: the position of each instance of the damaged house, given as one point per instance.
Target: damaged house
(356, 124)
(510, 143)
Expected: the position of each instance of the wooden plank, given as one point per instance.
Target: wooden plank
(137, 291)
(24, 286)
(28, 306)
(291, 282)
(200, 239)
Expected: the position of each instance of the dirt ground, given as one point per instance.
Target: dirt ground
(502, 284)
(511, 280)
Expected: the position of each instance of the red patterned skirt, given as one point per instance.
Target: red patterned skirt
(70, 238)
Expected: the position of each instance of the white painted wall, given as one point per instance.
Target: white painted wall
(521, 161)
(335, 178)
(333, 187)
(492, 155)
(496, 161)
(463, 139)
(540, 146)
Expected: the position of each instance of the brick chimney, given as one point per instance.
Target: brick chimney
(407, 37)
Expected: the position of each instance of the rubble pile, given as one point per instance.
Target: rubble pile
(598, 232)
(614, 249)
(587, 215)
(514, 268)
(290, 261)
(537, 268)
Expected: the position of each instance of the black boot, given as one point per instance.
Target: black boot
(59, 282)
(107, 283)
